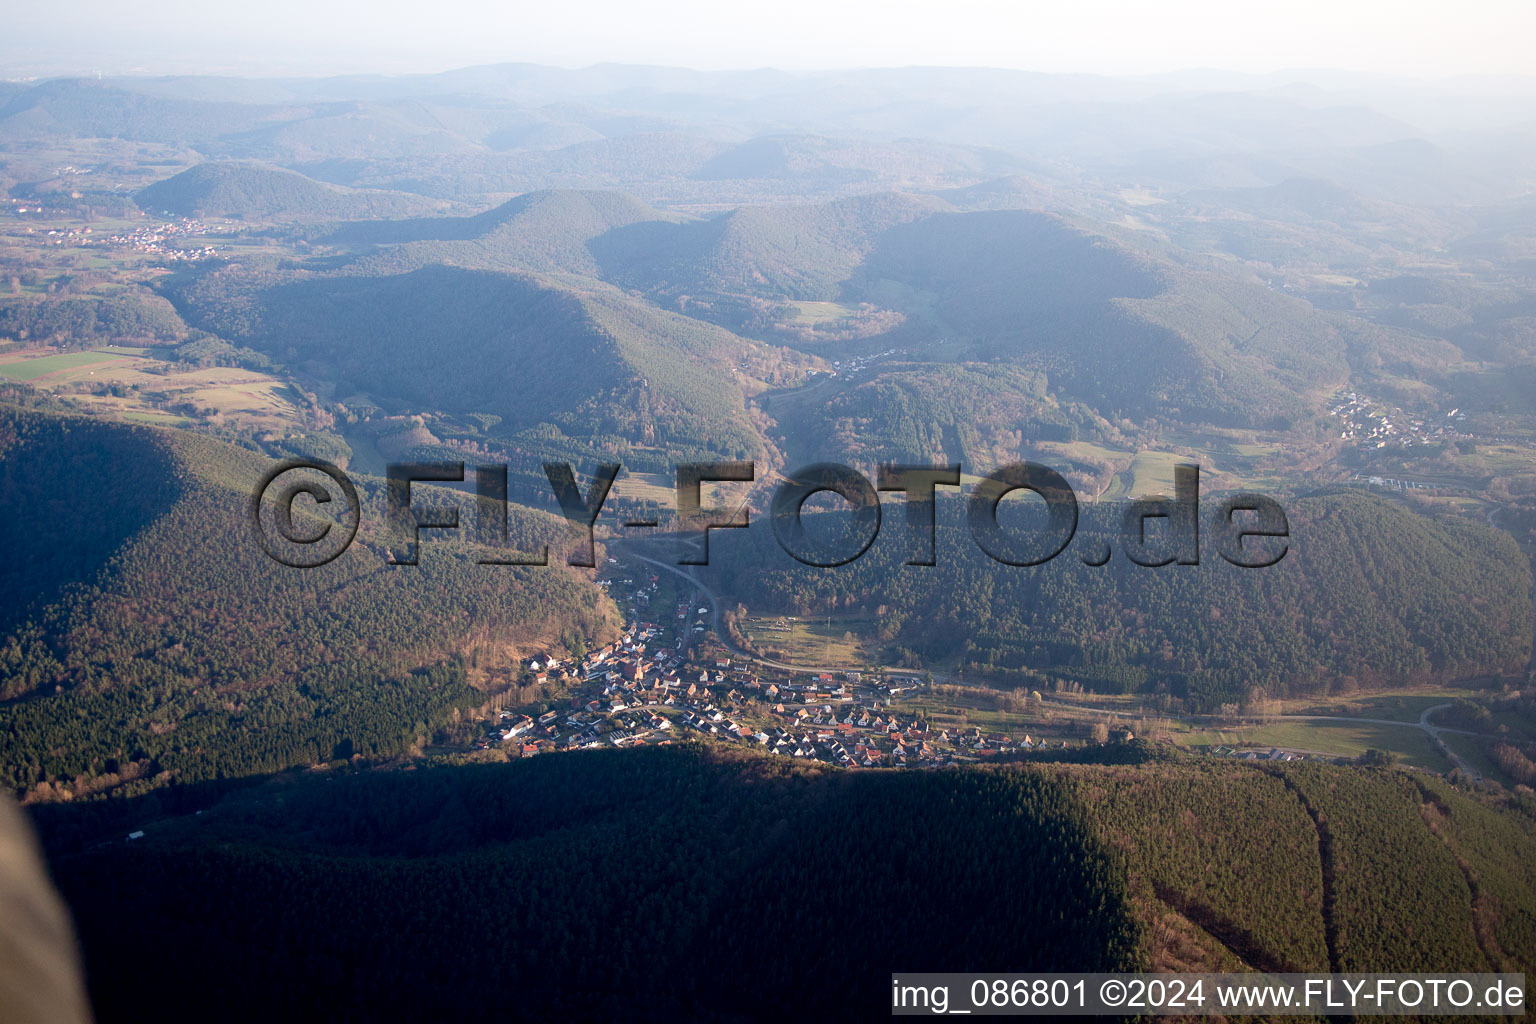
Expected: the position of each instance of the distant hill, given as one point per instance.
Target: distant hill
(798, 251)
(403, 128)
(543, 231)
(816, 162)
(983, 286)
(86, 108)
(541, 135)
(583, 361)
(1000, 284)
(1307, 197)
(491, 172)
(1013, 192)
(1118, 328)
(146, 649)
(254, 192)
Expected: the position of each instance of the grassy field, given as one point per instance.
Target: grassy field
(1085, 450)
(1344, 735)
(1336, 737)
(946, 712)
(1503, 458)
(657, 487)
(1150, 473)
(1088, 467)
(819, 313)
(662, 489)
(31, 368)
(1140, 196)
(1396, 707)
(1254, 451)
(812, 641)
(255, 399)
(159, 419)
(968, 707)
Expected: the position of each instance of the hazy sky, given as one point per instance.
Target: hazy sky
(1422, 38)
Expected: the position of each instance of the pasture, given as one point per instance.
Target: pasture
(33, 365)
(811, 641)
(145, 390)
(1339, 736)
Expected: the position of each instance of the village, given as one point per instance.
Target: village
(1371, 426)
(662, 682)
(160, 240)
(667, 678)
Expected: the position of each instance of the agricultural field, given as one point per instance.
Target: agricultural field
(1084, 451)
(1395, 707)
(1345, 734)
(1501, 458)
(1150, 473)
(965, 711)
(254, 399)
(1140, 196)
(144, 389)
(658, 487)
(1343, 737)
(1223, 466)
(156, 419)
(812, 641)
(822, 313)
(34, 365)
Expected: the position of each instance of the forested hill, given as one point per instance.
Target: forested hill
(650, 882)
(796, 251)
(550, 359)
(170, 648)
(545, 231)
(259, 193)
(1119, 328)
(1369, 594)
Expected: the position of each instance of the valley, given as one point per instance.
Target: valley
(444, 771)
